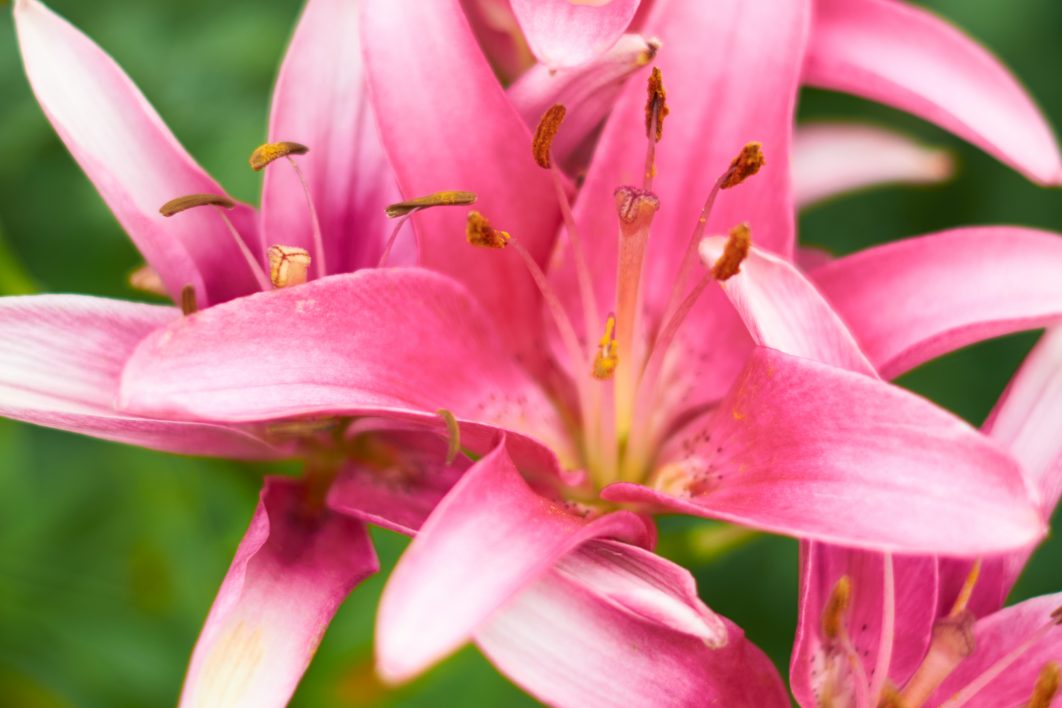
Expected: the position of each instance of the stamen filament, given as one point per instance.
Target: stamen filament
(252, 262)
(582, 269)
(394, 237)
(318, 238)
(967, 590)
(888, 629)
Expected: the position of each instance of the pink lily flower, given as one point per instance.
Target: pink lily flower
(394, 346)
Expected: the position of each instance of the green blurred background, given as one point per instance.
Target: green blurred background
(110, 555)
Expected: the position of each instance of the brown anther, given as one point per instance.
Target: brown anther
(737, 248)
(480, 233)
(655, 106)
(188, 303)
(146, 279)
(453, 431)
(747, 163)
(264, 154)
(548, 125)
(606, 359)
(1046, 686)
(836, 606)
(287, 265)
(633, 204)
(449, 198)
(176, 206)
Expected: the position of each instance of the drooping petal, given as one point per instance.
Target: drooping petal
(321, 101)
(813, 451)
(994, 638)
(132, 159)
(567, 642)
(910, 301)
(294, 567)
(833, 158)
(914, 589)
(588, 92)
(61, 357)
(491, 537)
(567, 33)
(897, 54)
(420, 55)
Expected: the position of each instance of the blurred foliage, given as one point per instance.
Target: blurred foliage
(110, 555)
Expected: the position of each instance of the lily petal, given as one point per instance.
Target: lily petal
(499, 34)
(132, 159)
(833, 158)
(813, 451)
(441, 591)
(910, 301)
(477, 142)
(320, 100)
(897, 54)
(61, 357)
(567, 33)
(562, 638)
(291, 572)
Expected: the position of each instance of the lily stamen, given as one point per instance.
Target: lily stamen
(835, 632)
(606, 359)
(408, 207)
(146, 279)
(1046, 686)
(189, 306)
(288, 265)
(656, 110)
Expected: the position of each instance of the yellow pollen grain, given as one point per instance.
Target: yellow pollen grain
(747, 163)
(191, 201)
(448, 198)
(480, 233)
(548, 125)
(188, 303)
(288, 265)
(1046, 686)
(264, 154)
(737, 249)
(607, 358)
(836, 606)
(656, 108)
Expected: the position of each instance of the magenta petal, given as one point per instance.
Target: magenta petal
(292, 570)
(910, 301)
(61, 357)
(998, 635)
(566, 641)
(486, 541)
(499, 35)
(320, 101)
(833, 158)
(816, 452)
(421, 55)
(566, 33)
(893, 53)
(132, 158)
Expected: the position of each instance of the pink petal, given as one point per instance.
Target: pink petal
(915, 600)
(320, 100)
(567, 642)
(60, 360)
(910, 301)
(487, 540)
(567, 33)
(833, 158)
(812, 451)
(588, 92)
(424, 55)
(906, 57)
(784, 311)
(498, 34)
(994, 638)
(132, 158)
(292, 570)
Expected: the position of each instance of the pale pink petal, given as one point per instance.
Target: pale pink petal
(424, 55)
(61, 357)
(914, 611)
(132, 158)
(784, 311)
(567, 33)
(994, 638)
(588, 92)
(487, 540)
(833, 158)
(813, 451)
(910, 301)
(294, 567)
(567, 641)
(500, 37)
(320, 101)
(897, 54)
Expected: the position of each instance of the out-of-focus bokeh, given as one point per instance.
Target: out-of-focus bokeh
(110, 555)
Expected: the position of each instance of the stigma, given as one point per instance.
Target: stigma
(607, 357)
(267, 153)
(480, 233)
